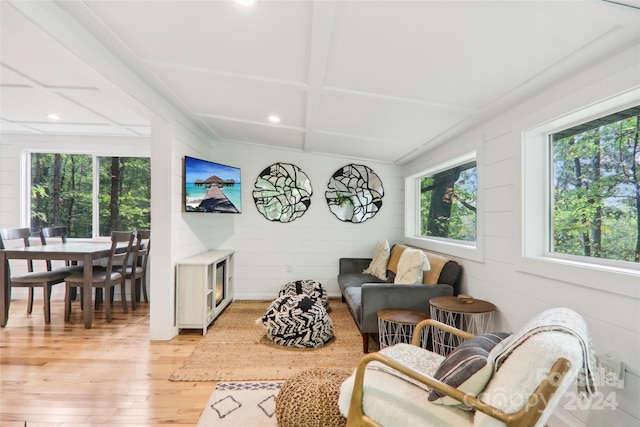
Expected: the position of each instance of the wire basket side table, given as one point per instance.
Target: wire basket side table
(397, 326)
(475, 317)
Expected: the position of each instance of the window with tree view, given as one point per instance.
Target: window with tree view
(596, 188)
(448, 203)
(63, 193)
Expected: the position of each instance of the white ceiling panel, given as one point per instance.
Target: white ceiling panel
(270, 39)
(383, 80)
(342, 145)
(11, 78)
(34, 105)
(381, 119)
(254, 133)
(140, 130)
(458, 52)
(103, 105)
(35, 57)
(11, 127)
(39, 77)
(222, 96)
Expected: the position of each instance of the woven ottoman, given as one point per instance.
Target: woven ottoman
(310, 399)
(310, 287)
(297, 321)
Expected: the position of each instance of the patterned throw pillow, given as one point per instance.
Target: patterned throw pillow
(468, 368)
(378, 265)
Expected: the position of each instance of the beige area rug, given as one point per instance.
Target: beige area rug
(241, 404)
(236, 349)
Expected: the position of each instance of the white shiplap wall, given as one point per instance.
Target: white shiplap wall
(613, 319)
(311, 245)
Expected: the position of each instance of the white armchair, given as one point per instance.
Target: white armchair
(527, 374)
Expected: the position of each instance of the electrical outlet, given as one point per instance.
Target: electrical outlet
(611, 371)
(288, 268)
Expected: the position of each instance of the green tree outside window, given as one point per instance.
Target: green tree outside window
(596, 188)
(62, 193)
(448, 203)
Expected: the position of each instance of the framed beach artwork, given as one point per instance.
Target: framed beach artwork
(211, 187)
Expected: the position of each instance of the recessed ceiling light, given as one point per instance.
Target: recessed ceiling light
(246, 2)
(274, 119)
(53, 116)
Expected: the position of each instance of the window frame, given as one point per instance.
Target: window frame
(457, 248)
(25, 207)
(536, 216)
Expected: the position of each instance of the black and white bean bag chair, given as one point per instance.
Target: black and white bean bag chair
(297, 321)
(309, 287)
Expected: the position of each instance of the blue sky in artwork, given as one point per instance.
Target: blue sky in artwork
(202, 169)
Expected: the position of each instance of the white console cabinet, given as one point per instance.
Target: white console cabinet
(204, 287)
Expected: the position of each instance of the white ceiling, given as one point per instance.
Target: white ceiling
(377, 80)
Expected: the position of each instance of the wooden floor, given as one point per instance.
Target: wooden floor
(64, 375)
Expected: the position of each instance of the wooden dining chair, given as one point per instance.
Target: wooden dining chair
(58, 232)
(106, 279)
(32, 279)
(136, 270)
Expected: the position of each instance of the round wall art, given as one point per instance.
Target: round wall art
(355, 193)
(282, 192)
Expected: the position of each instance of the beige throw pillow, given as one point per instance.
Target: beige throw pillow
(411, 265)
(378, 265)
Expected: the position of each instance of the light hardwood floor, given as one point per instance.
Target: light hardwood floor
(64, 375)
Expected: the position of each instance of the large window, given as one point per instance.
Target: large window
(448, 203)
(90, 195)
(578, 170)
(596, 188)
(443, 208)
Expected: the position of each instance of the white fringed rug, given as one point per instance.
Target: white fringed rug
(241, 404)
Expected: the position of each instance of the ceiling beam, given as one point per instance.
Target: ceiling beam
(319, 45)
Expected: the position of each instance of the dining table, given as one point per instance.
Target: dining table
(85, 252)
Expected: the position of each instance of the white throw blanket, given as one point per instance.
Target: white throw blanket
(564, 320)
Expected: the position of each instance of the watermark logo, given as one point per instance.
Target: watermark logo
(510, 401)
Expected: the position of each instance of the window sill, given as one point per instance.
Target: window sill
(458, 250)
(608, 279)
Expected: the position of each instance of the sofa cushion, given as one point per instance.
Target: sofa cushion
(378, 265)
(450, 275)
(468, 367)
(350, 280)
(411, 265)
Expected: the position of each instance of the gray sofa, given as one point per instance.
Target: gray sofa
(365, 294)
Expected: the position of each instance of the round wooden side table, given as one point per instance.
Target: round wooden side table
(397, 325)
(475, 317)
